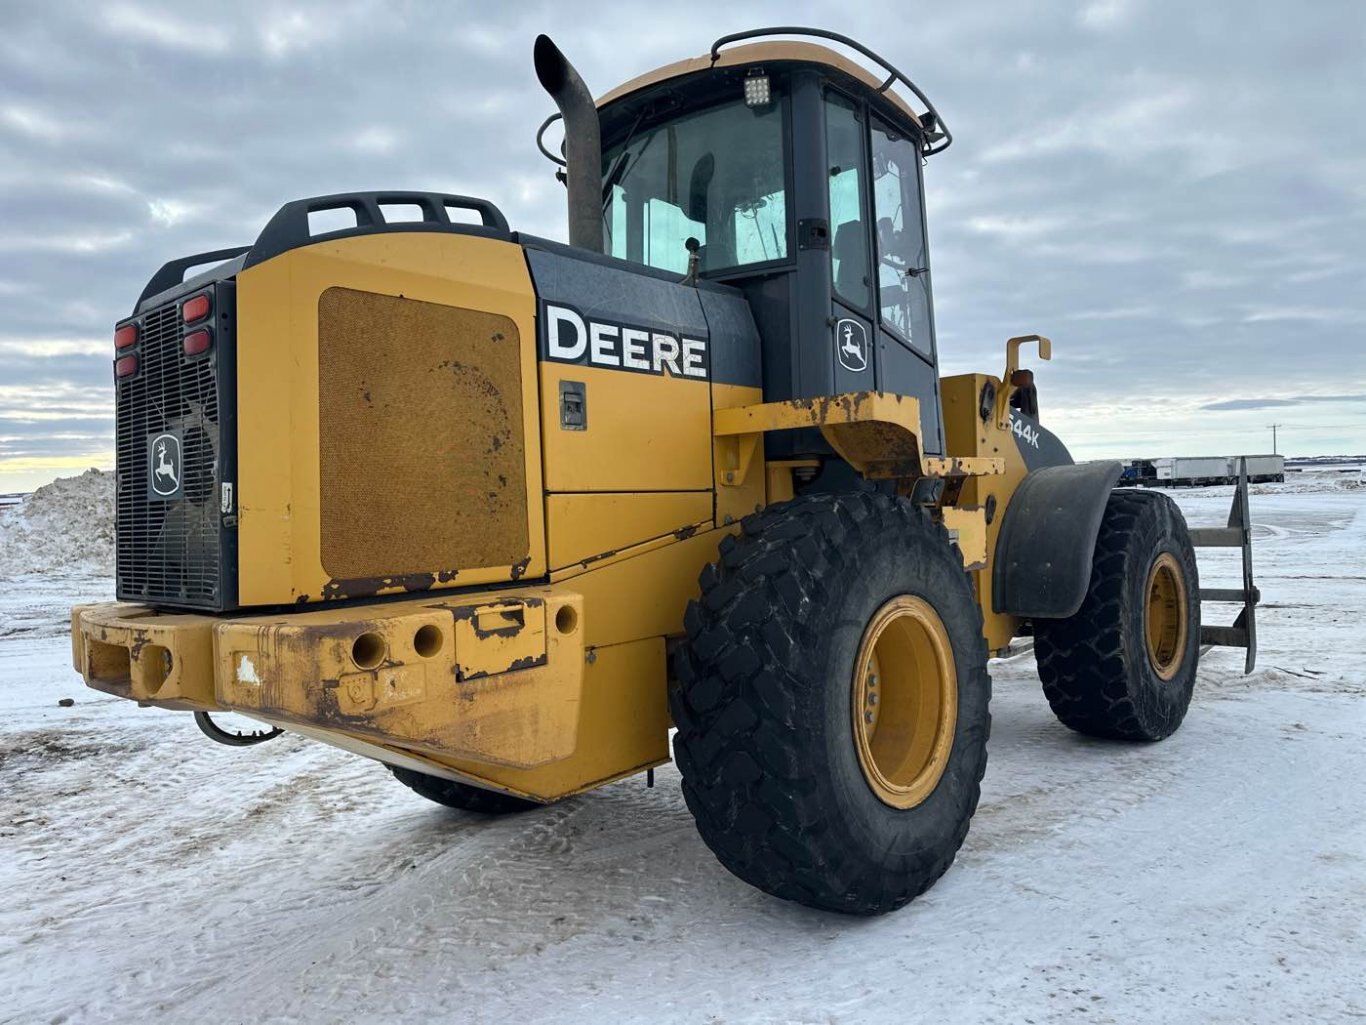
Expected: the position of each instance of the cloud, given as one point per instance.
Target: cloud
(162, 28)
(1182, 216)
(1309, 314)
(49, 348)
(1022, 228)
(1297, 400)
(31, 122)
(1104, 15)
(284, 33)
(77, 242)
(1120, 313)
(1200, 278)
(374, 139)
(1249, 404)
(169, 212)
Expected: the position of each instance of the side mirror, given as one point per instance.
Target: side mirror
(698, 183)
(1012, 365)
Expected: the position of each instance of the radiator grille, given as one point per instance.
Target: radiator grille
(170, 549)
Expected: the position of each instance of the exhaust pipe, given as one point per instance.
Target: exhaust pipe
(582, 143)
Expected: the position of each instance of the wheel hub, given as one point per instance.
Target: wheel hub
(1164, 616)
(905, 701)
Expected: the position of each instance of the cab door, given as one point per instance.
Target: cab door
(882, 334)
(906, 346)
(852, 321)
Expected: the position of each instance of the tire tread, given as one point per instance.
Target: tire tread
(463, 796)
(758, 800)
(1092, 679)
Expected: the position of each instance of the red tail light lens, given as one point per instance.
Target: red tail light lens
(125, 365)
(126, 336)
(195, 309)
(197, 342)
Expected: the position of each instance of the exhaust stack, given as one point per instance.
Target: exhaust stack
(582, 143)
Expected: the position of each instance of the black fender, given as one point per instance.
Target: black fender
(1042, 564)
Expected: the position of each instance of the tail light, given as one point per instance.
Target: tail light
(125, 366)
(195, 309)
(126, 336)
(197, 342)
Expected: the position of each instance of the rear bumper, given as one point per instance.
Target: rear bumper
(492, 678)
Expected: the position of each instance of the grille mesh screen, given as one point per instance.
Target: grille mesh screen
(422, 459)
(168, 549)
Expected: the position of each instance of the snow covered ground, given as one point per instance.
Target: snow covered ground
(1220, 876)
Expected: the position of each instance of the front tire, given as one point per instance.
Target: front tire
(799, 783)
(1124, 666)
(461, 795)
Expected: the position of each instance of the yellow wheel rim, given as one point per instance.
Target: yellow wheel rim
(1164, 616)
(905, 701)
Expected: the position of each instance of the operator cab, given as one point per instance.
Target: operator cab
(799, 174)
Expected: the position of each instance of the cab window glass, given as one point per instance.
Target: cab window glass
(666, 230)
(848, 227)
(903, 281)
(718, 175)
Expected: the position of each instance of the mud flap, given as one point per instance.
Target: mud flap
(1043, 554)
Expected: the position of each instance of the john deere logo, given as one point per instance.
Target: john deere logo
(164, 465)
(851, 342)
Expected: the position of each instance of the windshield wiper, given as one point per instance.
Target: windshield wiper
(618, 169)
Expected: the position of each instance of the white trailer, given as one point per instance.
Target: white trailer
(1197, 471)
(1191, 471)
(1260, 469)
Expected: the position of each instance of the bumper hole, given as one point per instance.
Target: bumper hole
(427, 641)
(109, 663)
(566, 619)
(368, 651)
(150, 670)
(159, 663)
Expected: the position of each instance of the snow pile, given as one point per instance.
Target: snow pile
(1310, 482)
(65, 527)
(1314, 483)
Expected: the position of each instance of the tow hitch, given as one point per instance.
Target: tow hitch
(237, 738)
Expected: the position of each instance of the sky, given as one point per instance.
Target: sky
(1174, 192)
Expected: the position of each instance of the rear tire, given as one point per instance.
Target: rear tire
(799, 783)
(1124, 666)
(461, 795)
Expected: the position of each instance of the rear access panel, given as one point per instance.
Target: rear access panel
(389, 440)
(423, 461)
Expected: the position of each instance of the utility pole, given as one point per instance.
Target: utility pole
(1272, 429)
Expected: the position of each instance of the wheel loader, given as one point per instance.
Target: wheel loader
(501, 512)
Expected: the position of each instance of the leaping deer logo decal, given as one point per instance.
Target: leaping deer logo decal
(165, 465)
(851, 342)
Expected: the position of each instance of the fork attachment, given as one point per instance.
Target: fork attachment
(1238, 534)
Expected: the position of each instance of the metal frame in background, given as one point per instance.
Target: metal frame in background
(1238, 534)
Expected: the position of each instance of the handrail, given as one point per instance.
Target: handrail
(540, 139)
(289, 228)
(173, 273)
(893, 73)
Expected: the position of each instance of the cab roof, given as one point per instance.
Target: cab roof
(772, 52)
